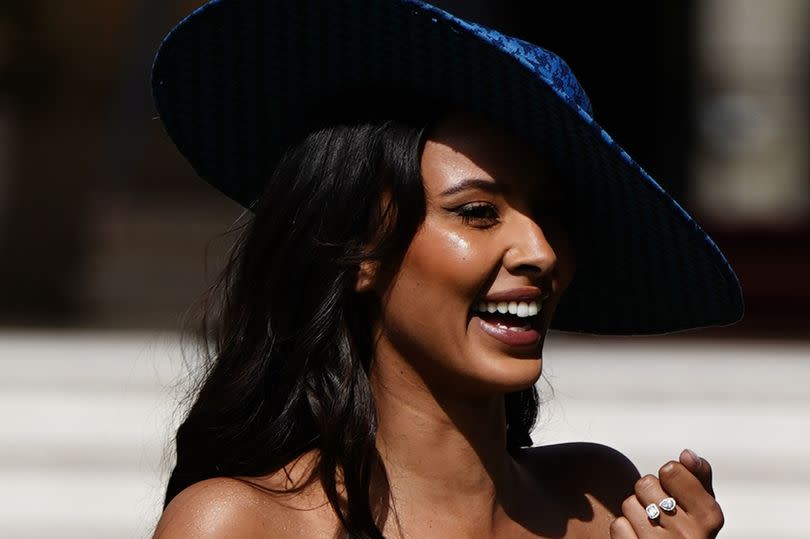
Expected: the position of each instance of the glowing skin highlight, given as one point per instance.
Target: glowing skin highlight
(491, 225)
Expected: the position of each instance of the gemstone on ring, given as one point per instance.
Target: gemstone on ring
(652, 511)
(668, 504)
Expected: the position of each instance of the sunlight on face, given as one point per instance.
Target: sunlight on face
(491, 230)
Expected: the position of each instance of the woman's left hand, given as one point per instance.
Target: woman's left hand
(696, 515)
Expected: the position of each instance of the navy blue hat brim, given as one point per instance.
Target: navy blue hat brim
(233, 78)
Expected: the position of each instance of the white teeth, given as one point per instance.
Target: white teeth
(522, 309)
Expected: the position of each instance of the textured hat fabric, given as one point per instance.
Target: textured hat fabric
(234, 78)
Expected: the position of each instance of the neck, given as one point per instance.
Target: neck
(445, 455)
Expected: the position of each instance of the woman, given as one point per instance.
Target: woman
(429, 198)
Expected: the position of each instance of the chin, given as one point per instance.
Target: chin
(506, 369)
(500, 375)
(520, 374)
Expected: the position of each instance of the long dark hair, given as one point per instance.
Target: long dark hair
(286, 338)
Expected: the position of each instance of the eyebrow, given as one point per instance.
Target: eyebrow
(473, 183)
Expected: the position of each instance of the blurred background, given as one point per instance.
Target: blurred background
(107, 237)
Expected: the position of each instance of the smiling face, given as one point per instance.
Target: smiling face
(491, 237)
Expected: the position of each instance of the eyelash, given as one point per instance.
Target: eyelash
(472, 212)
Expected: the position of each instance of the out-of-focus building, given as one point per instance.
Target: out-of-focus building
(751, 163)
(104, 227)
(102, 224)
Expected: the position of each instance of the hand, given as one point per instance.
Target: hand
(689, 481)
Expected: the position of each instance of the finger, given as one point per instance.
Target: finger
(621, 529)
(649, 490)
(635, 513)
(681, 484)
(699, 467)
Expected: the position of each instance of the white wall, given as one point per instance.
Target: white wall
(85, 418)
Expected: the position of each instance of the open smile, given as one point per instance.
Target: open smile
(514, 323)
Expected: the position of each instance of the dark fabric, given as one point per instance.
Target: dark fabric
(235, 81)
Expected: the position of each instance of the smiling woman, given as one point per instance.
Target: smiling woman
(482, 240)
(429, 198)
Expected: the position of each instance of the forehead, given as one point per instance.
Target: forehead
(463, 146)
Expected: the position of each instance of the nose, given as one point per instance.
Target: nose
(529, 251)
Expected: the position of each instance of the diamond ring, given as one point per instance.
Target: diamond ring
(668, 504)
(652, 511)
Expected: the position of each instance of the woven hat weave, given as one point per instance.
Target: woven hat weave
(233, 79)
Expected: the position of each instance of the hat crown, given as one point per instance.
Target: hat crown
(236, 80)
(544, 63)
(552, 68)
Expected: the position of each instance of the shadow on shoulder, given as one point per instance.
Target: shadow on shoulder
(593, 479)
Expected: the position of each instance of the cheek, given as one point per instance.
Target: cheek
(440, 275)
(446, 265)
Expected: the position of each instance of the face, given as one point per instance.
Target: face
(492, 240)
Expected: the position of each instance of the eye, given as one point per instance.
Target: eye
(478, 214)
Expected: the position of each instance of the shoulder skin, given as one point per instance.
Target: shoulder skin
(247, 507)
(224, 507)
(217, 507)
(592, 480)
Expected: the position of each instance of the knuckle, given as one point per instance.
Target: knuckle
(628, 503)
(714, 517)
(646, 482)
(618, 526)
(671, 469)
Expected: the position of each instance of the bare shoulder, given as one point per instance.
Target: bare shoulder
(596, 472)
(235, 507)
(217, 507)
(279, 505)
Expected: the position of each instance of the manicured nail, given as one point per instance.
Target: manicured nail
(694, 456)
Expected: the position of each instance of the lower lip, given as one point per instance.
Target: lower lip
(529, 337)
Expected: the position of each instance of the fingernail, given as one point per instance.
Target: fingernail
(695, 458)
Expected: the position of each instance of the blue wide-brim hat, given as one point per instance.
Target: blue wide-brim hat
(236, 77)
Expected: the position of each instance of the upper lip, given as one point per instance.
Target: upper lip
(523, 293)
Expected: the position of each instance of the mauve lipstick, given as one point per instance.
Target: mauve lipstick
(507, 336)
(522, 293)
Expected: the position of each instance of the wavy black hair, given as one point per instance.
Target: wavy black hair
(287, 339)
